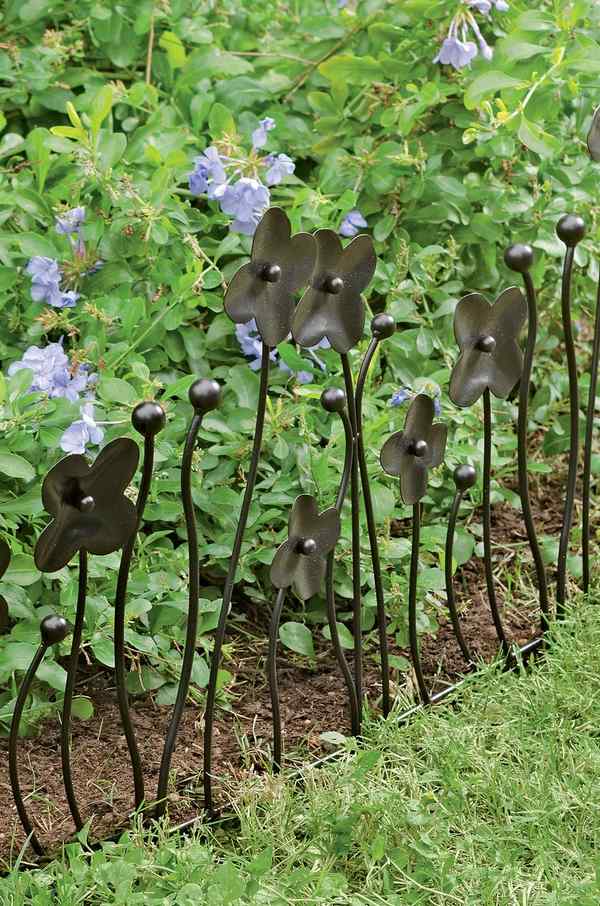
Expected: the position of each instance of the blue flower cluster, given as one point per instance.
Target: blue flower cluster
(457, 49)
(352, 224)
(404, 394)
(54, 375)
(251, 345)
(222, 177)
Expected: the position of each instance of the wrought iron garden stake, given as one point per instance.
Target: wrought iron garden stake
(262, 289)
(464, 478)
(204, 395)
(382, 327)
(490, 361)
(570, 230)
(519, 258)
(53, 629)
(148, 419)
(408, 455)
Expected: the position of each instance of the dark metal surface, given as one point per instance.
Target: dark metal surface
(593, 139)
(300, 560)
(487, 521)
(490, 355)
(333, 307)
(264, 288)
(409, 454)
(465, 477)
(4, 564)
(588, 450)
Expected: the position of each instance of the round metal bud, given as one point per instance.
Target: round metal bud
(334, 285)
(420, 448)
(486, 344)
(465, 477)
(333, 399)
(86, 504)
(271, 273)
(383, 326)
(54, 629)
(570, 229)
(148, 418)
(519, 257)
(307, 547)
(205, 395)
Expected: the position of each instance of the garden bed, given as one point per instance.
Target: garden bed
(313, 702)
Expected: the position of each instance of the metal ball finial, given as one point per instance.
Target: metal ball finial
(465, 477)
(486, 344)
(519, 257)
(307, 547)
(53, 629)
(334, 285)
(333, 399)
(420, 448)
(570, 229)
(204, 395)
(86, 504)
(148, 418)
(383, 326)
(271, 273)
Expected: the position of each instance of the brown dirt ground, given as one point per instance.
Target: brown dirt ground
(312, 701)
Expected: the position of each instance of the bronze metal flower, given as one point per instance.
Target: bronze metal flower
(301, 559)
(88, 503)
(409, 454)
(333, 307)
(487, 335)
(263, 289)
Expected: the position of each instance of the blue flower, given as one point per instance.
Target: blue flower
(70, 221)
(280, 166)
(400, 397)
(404, 394)
(485, 6)
(45, 283)
(352, 223)
(486, 51)
(82, 432)
(259, 136)
(53, 373)
(246, 201)
(455, 52)
(208, 173)
(251, 345)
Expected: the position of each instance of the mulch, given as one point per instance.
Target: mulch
(312, 702)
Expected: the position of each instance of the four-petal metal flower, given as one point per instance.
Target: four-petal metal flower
(90, 509)
(409, 454)
(333, 307)
(301, 559)
(264, 288)
(490, 356)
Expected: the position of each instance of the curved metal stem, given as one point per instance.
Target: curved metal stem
(589, 436)
(563, 549)
(412, 603)
(355, 721)
(450, 579)
(230, 579)
(372, 529)
(13, 764)
(487, 521)
(192, 617)
(522, 452)
(354, 498)
(65, 730)
(272, 674)
(119, 626)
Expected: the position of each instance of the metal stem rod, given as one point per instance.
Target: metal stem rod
(412, 603)
(272, 674)
(589, 437)
(449, 553)
(487, 521)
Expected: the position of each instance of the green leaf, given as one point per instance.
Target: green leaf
(487, 85)
(297, 637)
(101, 107)
(116, 390)
(534, 138)
(220, 121)
(353, 70)
(344, 634)
(15, 466)
(173, 45)
(22, 570)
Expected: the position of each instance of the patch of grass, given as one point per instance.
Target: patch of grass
(491, 800)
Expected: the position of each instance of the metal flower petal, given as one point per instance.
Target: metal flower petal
(593, 139)
(264, 288)
(4, 564)
(409, 454)
(88, 504)
(300, 561)
(333, 307)
(487, 336)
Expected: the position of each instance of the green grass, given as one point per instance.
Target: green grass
(493, 801)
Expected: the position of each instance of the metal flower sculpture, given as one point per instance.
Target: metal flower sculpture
(264, 288)
(89, 507)
(300, 561)
(333, 307)
(409, 454)
(487, 335)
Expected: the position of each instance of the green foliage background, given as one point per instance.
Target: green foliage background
(106, 106)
